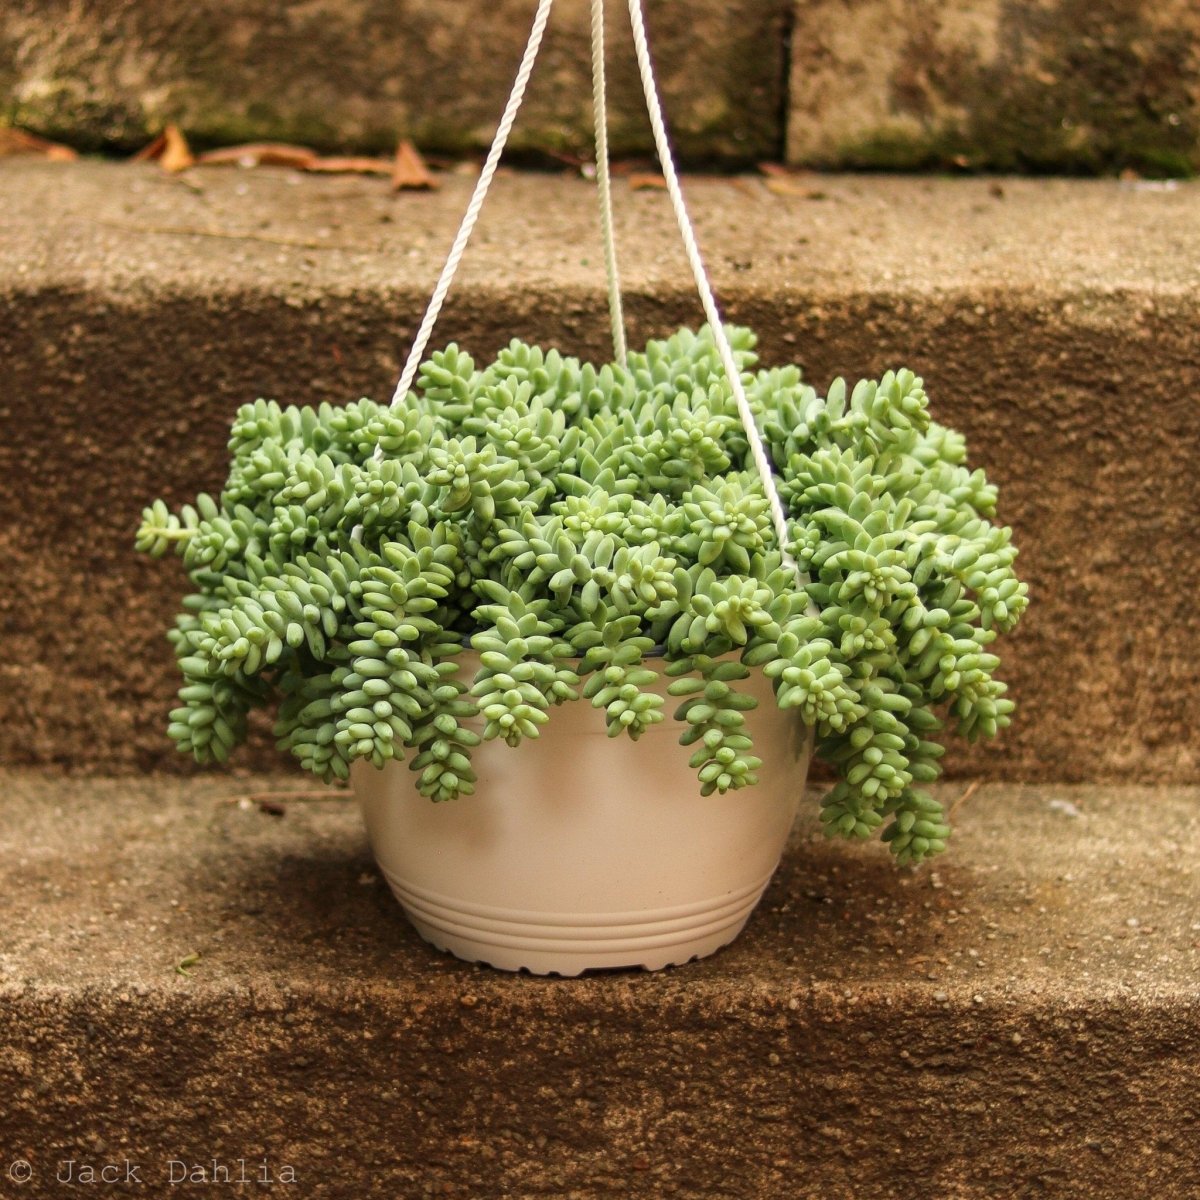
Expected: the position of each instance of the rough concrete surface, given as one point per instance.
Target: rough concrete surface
(1074, 85)
(1053, 323)
(1022, 1020)
(1043, 85)
(355, 73)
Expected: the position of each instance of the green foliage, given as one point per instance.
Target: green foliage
(714, 713)
(575, 525)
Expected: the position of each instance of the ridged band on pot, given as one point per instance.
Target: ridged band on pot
(581, 851)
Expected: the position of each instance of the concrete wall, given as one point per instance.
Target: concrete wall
(1060, 85)
(354, 73)
(1041, 85)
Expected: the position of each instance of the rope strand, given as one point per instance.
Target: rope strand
(477, 198)
(603, 178)
(708, 300)
(604, 182)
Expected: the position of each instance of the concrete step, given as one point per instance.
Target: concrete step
(341, 74)
(996, 85)
(1022, 1020)
(986, 84)
(1053, 323)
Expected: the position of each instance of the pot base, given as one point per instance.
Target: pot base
(578, 851)
(568, 944)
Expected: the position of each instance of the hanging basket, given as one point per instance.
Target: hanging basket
(351, 550)
(581, 851)
(585, 851)
(551, 846)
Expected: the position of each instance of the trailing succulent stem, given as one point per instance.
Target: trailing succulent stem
(715, 714)
(574, 524)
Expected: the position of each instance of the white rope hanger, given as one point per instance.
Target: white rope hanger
(482, 185)
(707, 299)
(467, 226)
(604, 182)
(603, 178)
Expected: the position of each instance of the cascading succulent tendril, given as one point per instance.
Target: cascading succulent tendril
(583, 530)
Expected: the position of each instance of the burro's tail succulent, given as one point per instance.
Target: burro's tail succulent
(585, 529)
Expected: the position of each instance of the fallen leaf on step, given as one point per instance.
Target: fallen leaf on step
(644, 180)
(622, 168)
(350, 166)
(409, 170)
(176, 155)
(170, 150)
(782, 180)
(781, 185)
(17, 141)
(572, 162)
(152, 150)
(260, 154)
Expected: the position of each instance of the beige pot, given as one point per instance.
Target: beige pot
(580, 851)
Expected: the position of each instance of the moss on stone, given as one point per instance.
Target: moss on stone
(340, 75)
(1079, 87)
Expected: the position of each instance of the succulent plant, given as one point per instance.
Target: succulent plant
(577, 525)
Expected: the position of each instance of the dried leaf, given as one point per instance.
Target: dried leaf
(170, 150)
(778, 170)
(260, 154)
(572, 161)
(177, 155)
(350, 166)
(643, 180)
(779, 185)
(624, 167)
(409, 170)
(17, 141)
(151, 150)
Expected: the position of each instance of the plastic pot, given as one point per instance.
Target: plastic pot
(581, 851)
